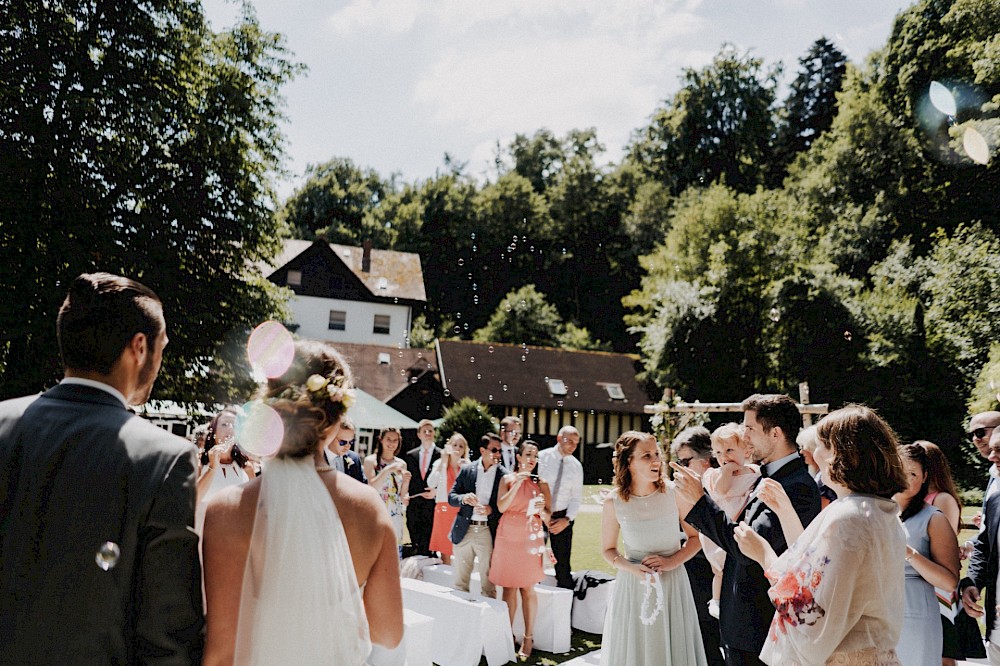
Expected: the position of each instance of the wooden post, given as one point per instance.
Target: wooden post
(804, 399)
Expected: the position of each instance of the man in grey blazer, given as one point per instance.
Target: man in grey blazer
(98, 556)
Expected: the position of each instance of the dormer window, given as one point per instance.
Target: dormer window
(384, 358)
(557, 386)
(383, 284)
(615, 391)
(295, 278)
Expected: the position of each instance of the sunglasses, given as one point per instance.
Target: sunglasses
(491, 450)
(685, 462)
(979, 433)
(346, 442)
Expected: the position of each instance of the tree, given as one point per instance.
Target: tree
(718, 127)
(135, 140)
(470, 418)
(524, 316)
(811, 104)
(335, 201)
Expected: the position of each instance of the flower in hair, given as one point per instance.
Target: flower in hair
(320, 389)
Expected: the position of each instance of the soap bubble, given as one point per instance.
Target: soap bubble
(107, 555)
(271, 349)
(848, 336)
(259, 429)
(774, 314)
(975, 146)
(490, 349)
(447, 393)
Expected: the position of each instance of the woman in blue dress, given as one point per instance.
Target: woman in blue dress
(932, 560)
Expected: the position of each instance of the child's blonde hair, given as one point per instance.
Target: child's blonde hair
(730, 432)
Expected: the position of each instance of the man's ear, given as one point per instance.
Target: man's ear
(139, 346)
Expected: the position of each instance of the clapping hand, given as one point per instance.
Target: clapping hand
(751, 544)
(689, 488)
(774, 496)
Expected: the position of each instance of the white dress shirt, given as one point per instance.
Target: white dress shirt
(570, 487)
(508, 455)
(484, 482)
(107, 388)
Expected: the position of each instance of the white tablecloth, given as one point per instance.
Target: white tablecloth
(419, 637)
(465, 627)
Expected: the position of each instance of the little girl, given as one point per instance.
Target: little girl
(730, 486)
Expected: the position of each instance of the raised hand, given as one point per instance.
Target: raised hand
(751, 544)
(689, 488)
(774, 496)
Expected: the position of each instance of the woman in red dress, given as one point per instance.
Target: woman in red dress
(442, 478)
(525, 501)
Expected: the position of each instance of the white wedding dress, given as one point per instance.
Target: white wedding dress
(300, 603)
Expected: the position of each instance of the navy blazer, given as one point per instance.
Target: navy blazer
(353, 468)
(982, 572)
(465, 483)
(78, 470)
(745, 609)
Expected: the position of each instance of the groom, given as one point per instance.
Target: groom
(98, 556)
(770, 424)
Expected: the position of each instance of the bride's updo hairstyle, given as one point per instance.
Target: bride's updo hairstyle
(312, 395)
(624, 449)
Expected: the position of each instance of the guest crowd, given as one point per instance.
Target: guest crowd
(772, 543)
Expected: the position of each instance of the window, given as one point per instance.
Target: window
(295, 278)
(338, 320)
(556, 386)
(383, 358)
(381, 324)
(383, 284)
(615, 391)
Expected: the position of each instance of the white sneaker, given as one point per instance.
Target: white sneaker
(713, 608)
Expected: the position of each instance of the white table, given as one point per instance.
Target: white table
(465, 627)
(552, 632)
(588, 613)
(419, 637)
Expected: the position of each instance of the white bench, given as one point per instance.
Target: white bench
(419, 637)
(588, 613)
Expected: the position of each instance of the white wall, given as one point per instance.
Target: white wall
(312, 314)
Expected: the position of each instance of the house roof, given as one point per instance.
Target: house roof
(386, 380)
(517, 376)
(392, 274)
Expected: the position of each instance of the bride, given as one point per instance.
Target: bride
(301, 564)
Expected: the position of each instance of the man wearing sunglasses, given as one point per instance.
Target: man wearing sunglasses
(340, 456)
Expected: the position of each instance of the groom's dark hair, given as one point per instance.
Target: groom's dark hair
(100, 315)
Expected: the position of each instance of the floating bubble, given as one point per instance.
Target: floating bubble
(942, 99)
(402, 372)
(478, 376)
(259, 429)
(465, 326)
(848, 336)
(475, 286)
(458, 329)
(271, 349)
(490, 349)
(505, 387)
(447, 393)
(576, 394)
(473, 236)
(491, 397)
(472, 359)
(575, 414)
(774, 314)
(508, 308)
(473, 248)
(559, 403)
(475, 300)
(523, 358)
(975, 146)
(461, 262)
(532, 537)
(107, 555)
(413, 380)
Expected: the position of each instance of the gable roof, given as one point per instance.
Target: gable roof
(401, 271)
(381, 380)
(516, 376)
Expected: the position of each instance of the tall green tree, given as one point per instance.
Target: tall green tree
(525, 316)
(718, 126)
(336, 201)
(811, 104)
(135, 140)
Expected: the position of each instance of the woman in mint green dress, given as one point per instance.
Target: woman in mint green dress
(651, 618)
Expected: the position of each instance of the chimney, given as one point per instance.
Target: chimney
(366, 257)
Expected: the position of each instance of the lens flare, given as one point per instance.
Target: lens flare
(259, 429)
(975, 146)
(942, 99)
(271, 349)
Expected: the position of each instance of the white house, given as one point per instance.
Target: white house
(350, 294)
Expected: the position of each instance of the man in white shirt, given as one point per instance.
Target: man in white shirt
(564, 474)
(510, 435)
(475, 491)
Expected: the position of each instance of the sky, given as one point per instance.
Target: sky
(395, 84)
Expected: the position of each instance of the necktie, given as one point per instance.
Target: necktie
(763, 471)
(508, 454)
(555, 486)
(424, 457)
(338, 463)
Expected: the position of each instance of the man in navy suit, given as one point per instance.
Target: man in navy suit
(420, 510)
(340, 455)
(982, 572)
(97, 540)
(771, 424)
(475, 527)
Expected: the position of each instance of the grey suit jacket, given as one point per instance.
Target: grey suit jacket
(78, 470)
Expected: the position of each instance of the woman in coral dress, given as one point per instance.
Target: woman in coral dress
(442, 478)
(525, 501)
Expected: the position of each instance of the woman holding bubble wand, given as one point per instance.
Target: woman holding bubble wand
(525, 501)
(301, 564)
